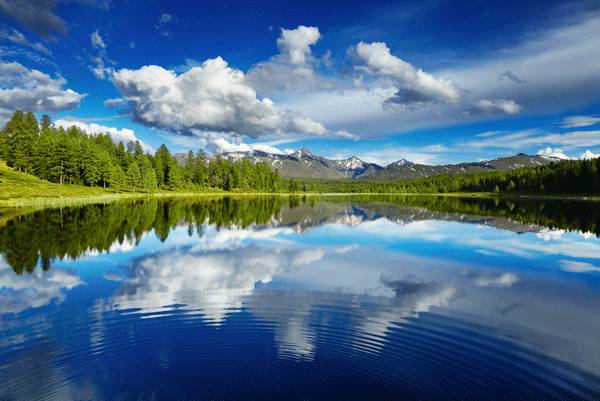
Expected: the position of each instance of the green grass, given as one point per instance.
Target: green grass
(24, 190)
(15, 185)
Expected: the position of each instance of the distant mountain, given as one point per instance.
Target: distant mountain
(305, 164)
(404, 169)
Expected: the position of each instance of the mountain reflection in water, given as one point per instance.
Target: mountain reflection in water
(320, 298)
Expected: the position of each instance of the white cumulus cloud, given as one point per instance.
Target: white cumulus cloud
(293, 67)
(222, 145)
(212, 97)
(553, 152)
(588, 154)
(33, 90)
(414, 86)
(295, 44)
(118, 135)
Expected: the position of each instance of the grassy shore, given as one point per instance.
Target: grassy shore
(19, 190)
(24, 190)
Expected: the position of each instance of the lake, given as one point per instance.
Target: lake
(349, 298)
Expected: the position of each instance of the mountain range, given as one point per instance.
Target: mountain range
(305, 164)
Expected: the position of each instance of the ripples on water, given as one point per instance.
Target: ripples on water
(336, 298)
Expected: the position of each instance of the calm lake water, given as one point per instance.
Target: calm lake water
(275, 298)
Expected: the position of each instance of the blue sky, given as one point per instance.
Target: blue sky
(429, 81)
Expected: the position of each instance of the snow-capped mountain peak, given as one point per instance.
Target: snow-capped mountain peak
(400, 163)
(351, 163)
(301, 153)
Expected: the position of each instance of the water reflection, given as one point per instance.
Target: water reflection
(375, 295)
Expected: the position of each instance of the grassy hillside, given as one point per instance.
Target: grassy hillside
(15, 185)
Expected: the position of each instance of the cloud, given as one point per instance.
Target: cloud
(33, 90)
(97, 41)
(502, 280)
(545, 57)
(124, 135)
(164, 20)
(210, 98)
(415, 86)
(572, 266)
(534, 137)
(430, 154)
(579, 121)
(588, 154)
(553, 152)
(115, 102)
(500, 106)
(221, 145)
(100, 62)
(294, 44)
(511, 76)
(12, 35)
(292, 68)
(36, 15)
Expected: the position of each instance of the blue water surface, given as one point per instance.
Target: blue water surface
(328, 299)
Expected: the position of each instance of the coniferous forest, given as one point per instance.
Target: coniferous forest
(72, 156)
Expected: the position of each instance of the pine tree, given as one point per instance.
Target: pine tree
(163, 161)
(14, 132)
(149, 180)
(45, 122)
(121, 155)
(134, 176)
(104, 167)
(91, 169)
(200, 174)
(3, 145)
(147, 172)
(116, 178)
(174, 178)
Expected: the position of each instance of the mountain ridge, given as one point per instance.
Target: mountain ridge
(304, 164)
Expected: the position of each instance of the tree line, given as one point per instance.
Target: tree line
(564, 177)
(71, 156)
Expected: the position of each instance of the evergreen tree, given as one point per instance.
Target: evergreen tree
(174, 178)
(116, 178)
(134, 176)
(14, 132)
(3, 145)
(162, 165)
(45, 122)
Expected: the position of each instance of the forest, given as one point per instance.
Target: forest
(72, 156)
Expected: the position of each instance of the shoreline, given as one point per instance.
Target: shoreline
(41, 202)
